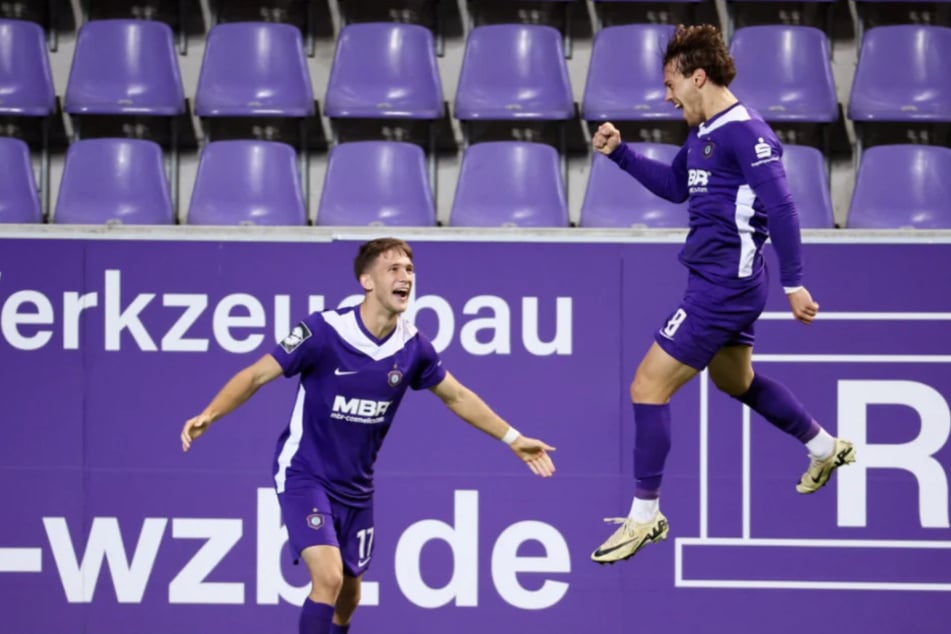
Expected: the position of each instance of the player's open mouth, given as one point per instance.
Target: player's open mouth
(402, 293)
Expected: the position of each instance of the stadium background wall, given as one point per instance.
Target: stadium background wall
(112, 337)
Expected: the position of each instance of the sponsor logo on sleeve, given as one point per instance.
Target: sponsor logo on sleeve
(764, 153)
(298, 335)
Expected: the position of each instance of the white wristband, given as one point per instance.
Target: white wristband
(510, 436)
(789, 290)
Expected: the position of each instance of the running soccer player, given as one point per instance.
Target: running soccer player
(355, 365)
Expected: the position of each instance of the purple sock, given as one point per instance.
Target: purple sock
(339, 629)
(651, 445)
(315, 617)
(774, 402)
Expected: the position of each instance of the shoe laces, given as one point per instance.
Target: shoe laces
(627, 524)
(616, 520)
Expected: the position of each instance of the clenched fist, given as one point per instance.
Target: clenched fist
(606, 139)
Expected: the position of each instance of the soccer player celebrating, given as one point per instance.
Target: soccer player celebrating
(730, 169)
(355, 365)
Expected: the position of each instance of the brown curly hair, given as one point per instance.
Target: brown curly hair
(701, 46)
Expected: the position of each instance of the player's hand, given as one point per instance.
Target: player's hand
(194, 428)
(803, 307)
(606, 138)
(534, 453)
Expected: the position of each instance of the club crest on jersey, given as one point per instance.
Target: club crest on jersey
(297, 336)
(315, 521)
(394, 377)
(708, 149)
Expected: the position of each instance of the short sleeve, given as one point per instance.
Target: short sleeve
(429, 370)
(299, 350)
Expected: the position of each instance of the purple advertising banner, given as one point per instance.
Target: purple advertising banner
(108, 345)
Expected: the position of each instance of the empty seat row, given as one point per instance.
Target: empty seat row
(783, 72)
(386, 183)
(508, 72)
(297, 11)
(131, 67)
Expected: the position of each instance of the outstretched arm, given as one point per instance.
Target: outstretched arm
(467, 405)
(236, 391)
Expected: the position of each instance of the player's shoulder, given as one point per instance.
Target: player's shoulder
(754, 126)
(737, 121)
(318, 319)
(747, 136)
(335, 319)
(310, 326)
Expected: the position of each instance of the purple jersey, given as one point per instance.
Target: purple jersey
(731, 169)
(351, 384)
(726, 157)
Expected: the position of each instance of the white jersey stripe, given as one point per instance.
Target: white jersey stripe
(346, 327)
(738, 113)
(292, 444)
(743, 214)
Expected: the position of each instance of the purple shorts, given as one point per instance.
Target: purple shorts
(711, 317)
(313, 519)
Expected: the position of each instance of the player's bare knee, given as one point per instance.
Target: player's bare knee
(646, 390)
(327, 582)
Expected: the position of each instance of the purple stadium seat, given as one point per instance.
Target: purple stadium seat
(614, 198)
(901, 75)
(510, 184)
(633, 52)
(385, 70)
(377, 183)
(901, 186)
(247, 183)
(125, 66)
(26, 82)
(808, 179)
(254, 69)
(514, 71)
(784, 73)
(114, 181)
(19, 201)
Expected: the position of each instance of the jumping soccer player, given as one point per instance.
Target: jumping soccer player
(731, 171)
